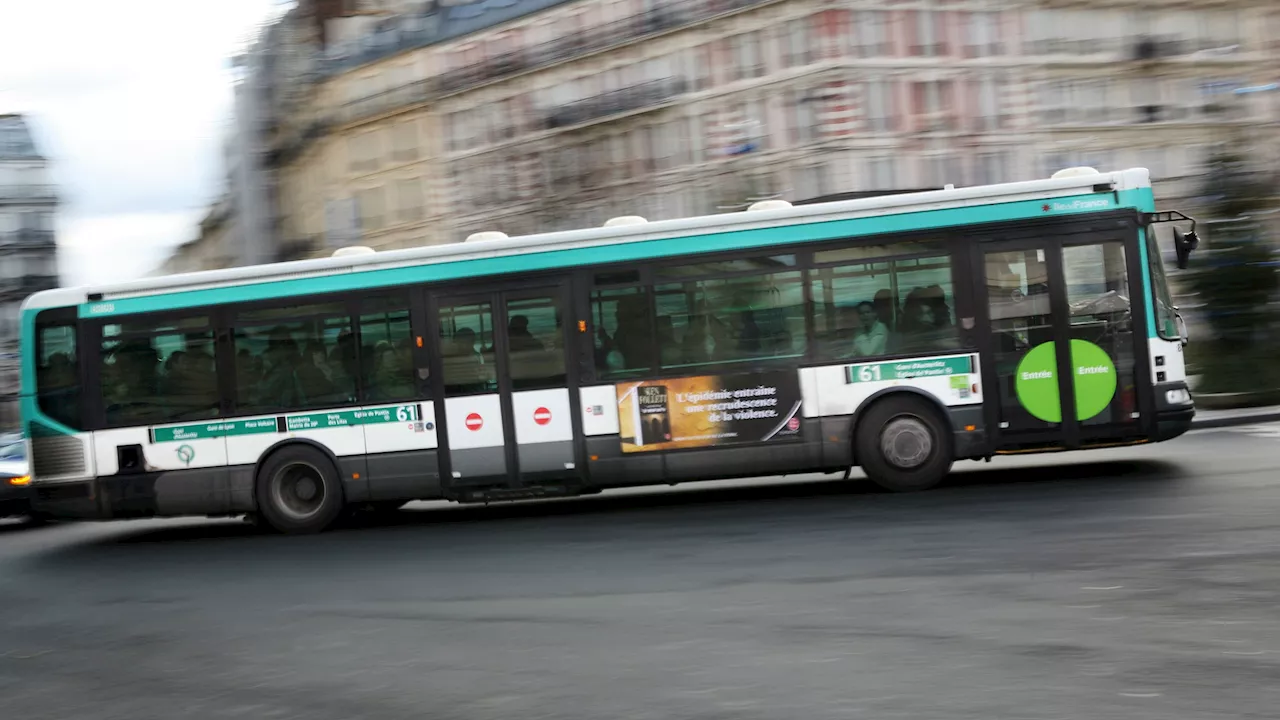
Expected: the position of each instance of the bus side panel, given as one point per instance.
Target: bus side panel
(179, 475)
(403, 458)
(838, 392)
(607, 465)
(786, 457)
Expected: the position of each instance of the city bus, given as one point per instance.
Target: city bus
(895, 334)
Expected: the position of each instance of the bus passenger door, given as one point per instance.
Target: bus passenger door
(506, 396)
(468, 390)
(1059, 341)
(536, 390)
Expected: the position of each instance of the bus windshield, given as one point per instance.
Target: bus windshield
(1166, 321)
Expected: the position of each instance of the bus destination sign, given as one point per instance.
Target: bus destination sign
(910, 369)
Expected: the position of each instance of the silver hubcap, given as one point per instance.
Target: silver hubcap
(298, 490)
(906, 442)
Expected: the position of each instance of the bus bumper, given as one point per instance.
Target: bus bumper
(1174, 410)
(67, 500)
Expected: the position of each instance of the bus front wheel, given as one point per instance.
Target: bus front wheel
(904, 445)
(299, 490)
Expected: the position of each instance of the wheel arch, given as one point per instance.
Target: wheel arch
(296, 442)
(885, 395)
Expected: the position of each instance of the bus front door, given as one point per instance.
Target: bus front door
(506, 400)
(1060, 343)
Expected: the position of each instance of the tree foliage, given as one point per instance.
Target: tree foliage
(1234, 276)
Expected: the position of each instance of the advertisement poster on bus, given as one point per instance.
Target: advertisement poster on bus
(709, 410)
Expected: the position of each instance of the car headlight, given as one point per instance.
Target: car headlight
(1181, 396)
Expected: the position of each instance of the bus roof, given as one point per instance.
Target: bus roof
(103, 298)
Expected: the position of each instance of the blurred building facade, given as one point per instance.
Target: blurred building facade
(397, 123)
(28, 250)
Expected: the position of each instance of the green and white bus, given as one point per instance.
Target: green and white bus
(896, 334)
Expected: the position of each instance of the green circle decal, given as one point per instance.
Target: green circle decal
(1036, 383)
(1093, 377)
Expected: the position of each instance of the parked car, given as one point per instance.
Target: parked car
(15, 480)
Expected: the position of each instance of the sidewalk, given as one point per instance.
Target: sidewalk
(1239, 416)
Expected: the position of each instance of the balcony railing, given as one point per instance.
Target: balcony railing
(25, 193)
(370, 105)
(27, 236)
(27, 284)
(616, 102)
(673, 15)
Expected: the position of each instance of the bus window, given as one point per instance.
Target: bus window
(466, 348)
(885, 307)
(624, 332)
(386, 352)
(292, 358)
(58, 372)
(731, 320)
(158, 371)
(535, 343)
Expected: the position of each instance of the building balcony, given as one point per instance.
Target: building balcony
(26, 285)
(28, 238)
(28, 194)
(372, 105)
(590, 40)
(648, 95)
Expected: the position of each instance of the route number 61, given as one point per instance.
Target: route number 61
(868, 373)
(404, 413)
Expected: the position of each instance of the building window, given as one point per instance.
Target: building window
(797, 45)
(409, 200)
(803, 114)
(370, 206)
(404, 140)
(882, 173)
(878, 105)
(875, 33)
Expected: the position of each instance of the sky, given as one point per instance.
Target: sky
(131, 102)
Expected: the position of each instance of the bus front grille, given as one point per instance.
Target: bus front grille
(55, 455)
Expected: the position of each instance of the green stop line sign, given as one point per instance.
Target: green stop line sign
(1093, 375)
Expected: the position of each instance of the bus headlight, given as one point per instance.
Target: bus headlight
(1181, 396)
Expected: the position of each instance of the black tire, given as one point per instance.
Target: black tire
(299, 491)
(904, 444)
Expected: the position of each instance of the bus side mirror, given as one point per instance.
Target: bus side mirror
(1183, 245)
(1182, 326)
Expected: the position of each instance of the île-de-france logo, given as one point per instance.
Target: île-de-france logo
(186, 454)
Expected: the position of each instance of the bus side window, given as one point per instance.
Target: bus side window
(58, 373)
(387, 336)
(623, 332)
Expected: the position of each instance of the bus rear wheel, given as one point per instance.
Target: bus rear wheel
(299, 491)
(904, 445)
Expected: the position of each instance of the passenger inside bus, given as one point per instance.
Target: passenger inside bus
(464, 366)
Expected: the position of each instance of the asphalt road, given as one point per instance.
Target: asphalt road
(1133, 583)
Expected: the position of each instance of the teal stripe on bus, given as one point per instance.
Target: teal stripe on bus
(770, 238)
